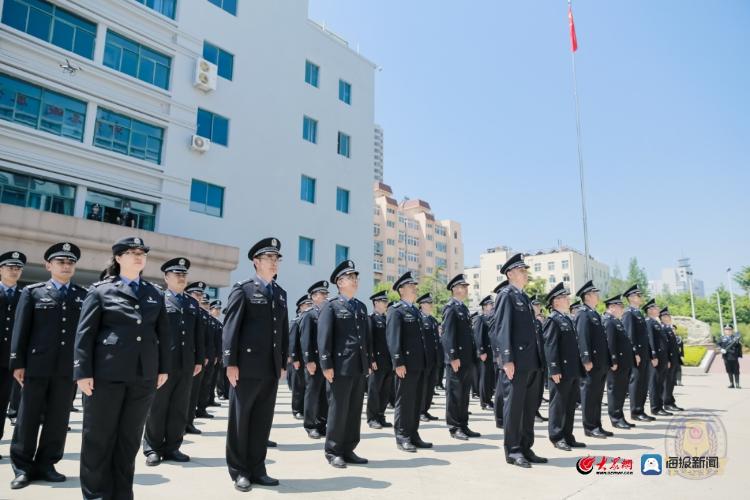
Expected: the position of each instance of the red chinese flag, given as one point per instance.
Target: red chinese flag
(573, 39)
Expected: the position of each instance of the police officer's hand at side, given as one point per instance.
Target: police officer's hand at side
(86, 385)
(296, 365)
(233, 374)
(197, 369)
(510, 370)
(328, 374)
(637, 360)
(161, 379)
(456, 365)
(401, 371)
(614, 368)
(283, 373)
(374, 367)
(654, 362)
(311, 367)
(483, 357)
(588, 366)
(556, 378)
(19, 374)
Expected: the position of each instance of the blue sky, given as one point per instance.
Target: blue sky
(476, 101)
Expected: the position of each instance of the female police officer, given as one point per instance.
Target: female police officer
(121, 358)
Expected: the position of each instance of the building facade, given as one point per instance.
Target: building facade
(677, 280)
(409, 238)
(378, 153)
(205, 121)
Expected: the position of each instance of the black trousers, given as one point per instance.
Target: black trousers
(379, 389)
(345, 397)
(541, 388)
(638, 388)
(519, 409)
(298, 388)
(562, 408)
(31, 451)
(222, 382)
(657, 379)
(592, 392)
(732, 366)
(251, 405)
(428, 390)
(500, 389)
(617, 388)
(168, 414)
(439, 373)
(113, 420)
(457, 395)
(6, 382)
(475, 374)
(669, 383)
(195, 391)
(316, 400)
(406, 413)
(486, 370)
(15, 399)
(207, 388)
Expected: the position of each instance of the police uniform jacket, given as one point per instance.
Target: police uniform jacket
(513, 332)
(561, 346)
(187, 331)
(635, 327)
(431, 339)
(380, 352)
(344, 336)
(658, 340)
(7, 316)
(308, 335)
(592, 341)
(406, 343)
(621, 350)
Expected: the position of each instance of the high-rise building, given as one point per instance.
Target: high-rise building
(408, 237)
(201, 126)
(378, 153)
(677, 280)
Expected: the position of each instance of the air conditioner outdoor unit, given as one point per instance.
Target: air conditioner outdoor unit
(200, 144)
(205, 75)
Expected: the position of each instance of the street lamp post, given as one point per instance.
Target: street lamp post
(692, 298)
(721, 320)
(731, 297)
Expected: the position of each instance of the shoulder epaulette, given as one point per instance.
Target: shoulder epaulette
(36, 285)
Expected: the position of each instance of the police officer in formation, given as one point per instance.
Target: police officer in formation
(623, 360)
(41, 359)
(345, 358)
(635, 328)
(674, 356)
(518, 349)
(380, 381)
(209, 393)
(430, 331)
(212, 347)
(500, 378)
(485, 366)
(168, 415)
(539, 318)
(316, 400)
(662, 355)
(730, 346)
(596, 358)
(11, 268)
(197, 290)
(565, 369)
(255, 345)
(295, 365)
(121, 358)
(406, 344)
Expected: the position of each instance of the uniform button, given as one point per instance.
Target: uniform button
(407, 352)
(138, 339)
(565, 361)
(249, 350)
(63, 330)
(274, 318)
(274, 331)
(520, 348)
(138, 321)
(33, 351)
(62, 343)
(137, 306)
(274, 345)
(64, 319)
(183, 334)
(183, 343)
(5, 339)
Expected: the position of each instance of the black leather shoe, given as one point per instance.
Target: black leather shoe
(519, 462)
(471, 433)
(191, 429)
(649, 417)
(459, 434)
(673, 408)
(621, 425)
(641, 418)
(51, 475)
(13, 422)
(177, 456)
(663, 413)
(299, 416)
(431, 417)
(374, 424)
(540, 418)
(20, 481)
(153, 459)
(421, 444)
(534, 458)
(271, 444)
(423, 418)
(406, 446)
(562, 445)
(353, 458)
(629, 424)
(242, 484)
(595, 433)
(74, 409)
(499, 424)
(314, 433)
(385, 424)
(203, 414)
(265, 480)
(337, 462)
(605, 432)
(576, 444)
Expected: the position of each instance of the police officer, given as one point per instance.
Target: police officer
(484, 353)
(660, 349)
(574, 308)
(255, 345)
(214, 309)
(500, 379)
(674, 358)
(295, 359)
(565, 370)
(213, 348)
(730, 346)
(195, 291)
(539, 318)
(595, 356)
(222, 384)
(11, 268)
(199, 389)
(623, 360)
(316, 401)
(121, 358)
(41, 359)
(518, 350)
(168, 415)
(380, 381)
(406, 345)
(430, 329)
(345, 359)
(635, 327)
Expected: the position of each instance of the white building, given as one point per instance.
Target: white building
(378, 153)
(289, 116)
(677, 280)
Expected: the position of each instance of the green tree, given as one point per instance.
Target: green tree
(617, 285)
(536, 287)
(743, 279)
(637, 274)
(435, 285)
(392, 295)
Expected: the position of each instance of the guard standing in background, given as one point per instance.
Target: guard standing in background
(484, 353)
(430, 329)
(295, 360)
(623, 360)
(316, 400)
(380, 381)
(11, 268)
(635, 327)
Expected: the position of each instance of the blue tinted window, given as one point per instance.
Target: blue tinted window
(221, 58)
(228, 5)
(307, 189)
(344, 145)
(306, 249)
(342, 200)
(342, 254)
(345, 91)
(136, 60)
(128, 136)
(312, 72)
(163, 7)
(206, 198)
(213, 126)
(37, 193)
(52, 24)
(310, 129)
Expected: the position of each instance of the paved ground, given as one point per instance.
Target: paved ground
(453, 469)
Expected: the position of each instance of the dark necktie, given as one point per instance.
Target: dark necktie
(64, 291)
(134, 286)
(269, 290)
(9, 293)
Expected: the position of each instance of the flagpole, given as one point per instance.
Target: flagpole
(587, 266)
